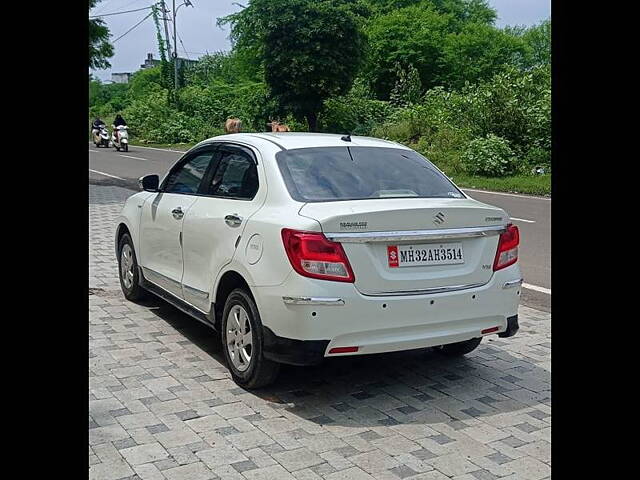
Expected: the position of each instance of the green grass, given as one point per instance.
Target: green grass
(172, 146)
(532, 185)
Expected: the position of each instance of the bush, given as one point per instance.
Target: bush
(489, 157)
(443, 148)
(212, 105)
(537, 157)
(356, 112)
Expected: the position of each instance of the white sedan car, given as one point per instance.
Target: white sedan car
(298, 247)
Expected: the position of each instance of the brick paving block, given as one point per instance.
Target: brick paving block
(148, 471)
(528, 468)
(177, 438)
(374, 461)
(138, 420)
(353, 473)
(233, 410)
(275, 472)
(322, 442)
(144, 453)
(109, 433)
(306, 474)
(452, 464)
(183, 455)
(221, 455)
(194, 471)
(110, 471)
(540, 449)
(298, 459)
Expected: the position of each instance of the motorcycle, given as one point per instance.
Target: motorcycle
(101, 137)
(121, 140)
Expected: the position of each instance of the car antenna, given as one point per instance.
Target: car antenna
(346, 138)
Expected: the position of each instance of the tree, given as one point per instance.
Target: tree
(310, 49)
(463, 11)
(538, 42)
(478, 52)
(408, 88)
(409, 36)
(99, 47)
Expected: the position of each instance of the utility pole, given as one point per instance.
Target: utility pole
(175, 50)
(175, 41)
(166, 27)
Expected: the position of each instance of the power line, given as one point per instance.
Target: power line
(132, 28)
(184, 49)
(120, 13)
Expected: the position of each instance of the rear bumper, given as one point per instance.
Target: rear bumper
(312, 352)
(512, 327)
(306, 318)
(291, 351)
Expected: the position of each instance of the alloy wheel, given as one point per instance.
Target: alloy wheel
(239, 338)
(126, 266)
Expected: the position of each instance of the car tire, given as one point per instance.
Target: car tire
(242, 339)
(460, 348)
(128, 270)
(126, 147)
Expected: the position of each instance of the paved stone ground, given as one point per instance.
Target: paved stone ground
(162, 405)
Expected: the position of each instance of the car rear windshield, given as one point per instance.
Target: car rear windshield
(327, 174)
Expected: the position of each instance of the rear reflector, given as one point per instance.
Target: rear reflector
(344, 350)
(507, 253)
(490, 330)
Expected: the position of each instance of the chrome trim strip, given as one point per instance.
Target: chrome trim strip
(513, 283)
(402, 235)
(425, 291)
(312, 301)
(158, 278)
(146, 271)
(196, 293)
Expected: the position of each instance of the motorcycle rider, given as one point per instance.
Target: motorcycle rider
(95, 126)
(116, 123)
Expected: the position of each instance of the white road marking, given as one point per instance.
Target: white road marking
(136, 158)
(95, 150)
(522, 220)
(506, 194)
(537, 288)
(106, 174)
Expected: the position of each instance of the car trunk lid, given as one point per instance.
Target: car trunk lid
(465, 232)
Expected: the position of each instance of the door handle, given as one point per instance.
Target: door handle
(177, 213)
(233, 220)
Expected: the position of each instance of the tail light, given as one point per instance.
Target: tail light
(312, 255)
(507, 253)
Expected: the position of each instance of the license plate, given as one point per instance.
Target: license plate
(424, 255)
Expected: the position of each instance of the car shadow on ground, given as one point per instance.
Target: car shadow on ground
(415, 387)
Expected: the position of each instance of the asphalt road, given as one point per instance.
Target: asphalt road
(531, 214)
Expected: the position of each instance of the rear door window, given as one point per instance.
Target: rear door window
(236, 176)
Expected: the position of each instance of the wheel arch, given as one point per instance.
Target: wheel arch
(121, 229)
(228, 281)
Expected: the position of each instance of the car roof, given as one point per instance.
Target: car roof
(291, 140)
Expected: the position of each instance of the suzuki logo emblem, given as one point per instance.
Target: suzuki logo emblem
(438, 218)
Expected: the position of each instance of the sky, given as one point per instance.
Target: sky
(199, 34)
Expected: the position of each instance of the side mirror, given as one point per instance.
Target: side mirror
(149, 183)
